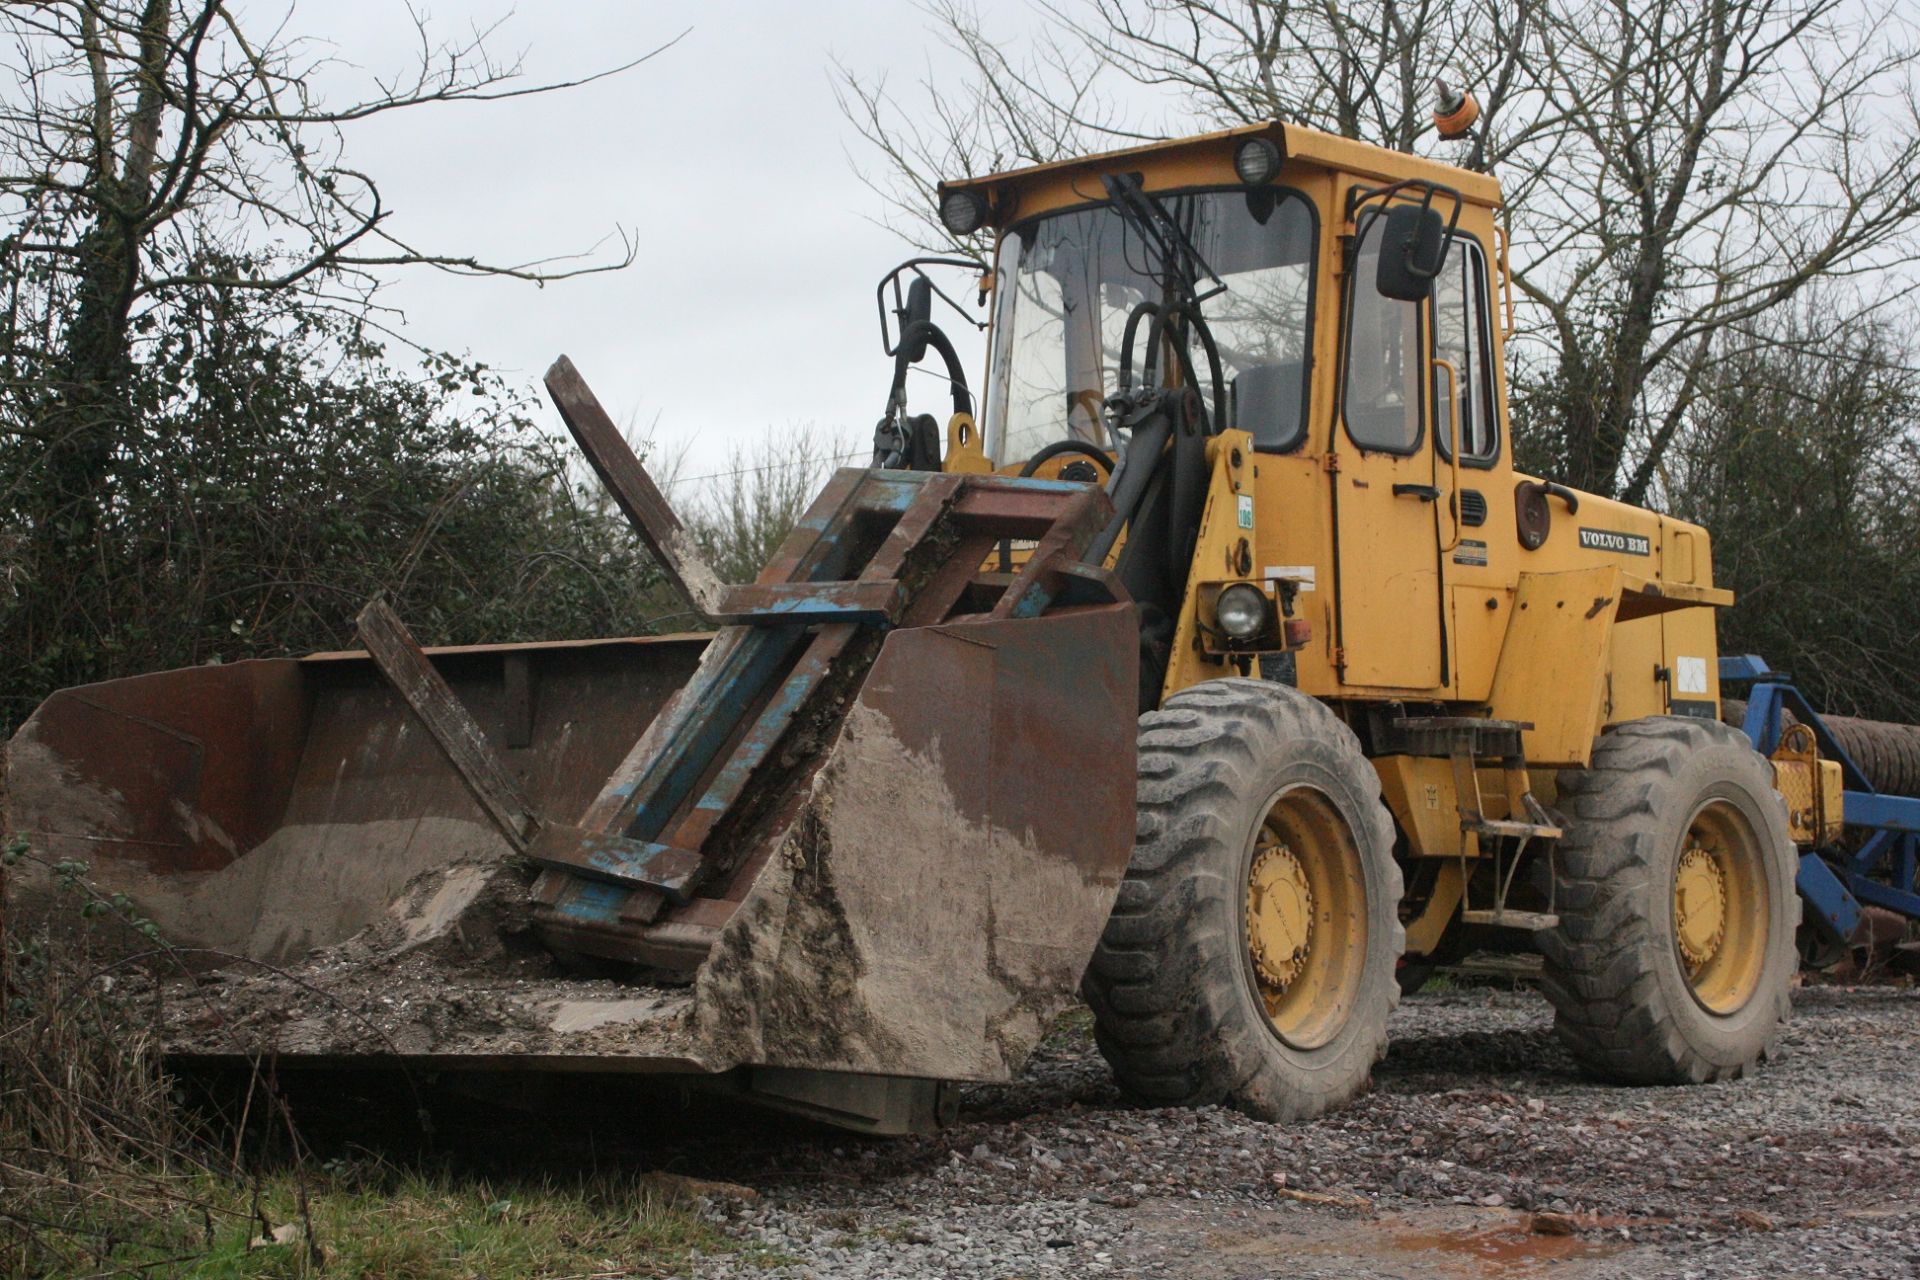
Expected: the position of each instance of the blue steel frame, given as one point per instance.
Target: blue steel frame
(1882, 870)
(629, 849)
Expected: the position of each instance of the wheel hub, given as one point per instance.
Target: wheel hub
(1699, 906)
(1279, 915)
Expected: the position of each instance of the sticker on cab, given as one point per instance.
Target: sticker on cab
(1470, 551)
(1631, 544)
(1300, 575)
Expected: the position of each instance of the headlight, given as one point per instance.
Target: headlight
(963, 212)
(1257, 161)
(1241, 611)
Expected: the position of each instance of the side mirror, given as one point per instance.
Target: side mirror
(914, 318)
(1413, 248)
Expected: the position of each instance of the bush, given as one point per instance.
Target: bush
(275, 475)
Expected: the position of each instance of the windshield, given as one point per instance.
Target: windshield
(1068, 282)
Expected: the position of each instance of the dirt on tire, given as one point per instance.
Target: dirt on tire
(1622, 1000)
(1171, 986)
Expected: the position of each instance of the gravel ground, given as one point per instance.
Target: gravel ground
(1478, 1135)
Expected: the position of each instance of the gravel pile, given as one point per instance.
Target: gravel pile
(1480, 1152)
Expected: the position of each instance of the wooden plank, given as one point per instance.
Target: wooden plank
(802, 545)
(795, 694)
(943, 589)
(460, 739)
(937, 495)
(612, 808)
(682, 724)
(713, 713)
(1015, 513)
(632, 488)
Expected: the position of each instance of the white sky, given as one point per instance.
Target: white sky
(751, 304)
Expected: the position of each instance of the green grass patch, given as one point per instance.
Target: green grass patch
(1071, 1031)
(402, 1226)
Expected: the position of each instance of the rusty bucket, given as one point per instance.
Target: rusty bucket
(860, 840)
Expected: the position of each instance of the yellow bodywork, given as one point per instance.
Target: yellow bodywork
(1426, 601)
(1812, 788)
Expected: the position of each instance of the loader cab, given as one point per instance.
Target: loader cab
(1352, 511)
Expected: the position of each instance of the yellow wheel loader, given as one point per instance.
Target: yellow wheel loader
(1218, 664)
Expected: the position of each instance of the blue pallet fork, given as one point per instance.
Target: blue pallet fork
(1880, 867)
(876, 551)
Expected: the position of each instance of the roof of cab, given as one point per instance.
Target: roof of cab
(1296, 142)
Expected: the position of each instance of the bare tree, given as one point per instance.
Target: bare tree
(1672, 169)
(741, 514)
(1098, 74)
(1711, 161)
(176, 200)
(153, 148)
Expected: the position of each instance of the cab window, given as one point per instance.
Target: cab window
(1382, 395)
(1069, 282)
(1462, 330)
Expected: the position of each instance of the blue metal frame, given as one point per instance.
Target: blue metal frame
(738, 709)
(1835, 882)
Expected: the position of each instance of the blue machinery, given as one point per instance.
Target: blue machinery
(1875, 863)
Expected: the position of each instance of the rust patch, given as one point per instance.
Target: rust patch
(920, 903)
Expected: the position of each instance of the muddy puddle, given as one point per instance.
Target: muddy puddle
(1445, 1243)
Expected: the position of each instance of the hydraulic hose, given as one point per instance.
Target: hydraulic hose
(1049, 452)
(1163, 316)
(928, 334)
(1129, 483)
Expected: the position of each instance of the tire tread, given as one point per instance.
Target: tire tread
(1609, 1007)
(1168, 1042)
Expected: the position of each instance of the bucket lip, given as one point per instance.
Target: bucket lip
(677, 637)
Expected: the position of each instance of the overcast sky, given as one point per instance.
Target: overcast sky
(751, 304)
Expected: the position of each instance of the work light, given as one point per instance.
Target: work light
(1257, 161)
(963, 212)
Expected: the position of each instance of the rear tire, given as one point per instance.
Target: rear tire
(1250, 957)
(1675, 951)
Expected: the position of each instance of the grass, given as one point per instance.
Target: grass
(395, 1226)
(104, 1172)
(1071, 1032)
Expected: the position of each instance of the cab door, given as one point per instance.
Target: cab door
(1477, 543)
(1385, 493)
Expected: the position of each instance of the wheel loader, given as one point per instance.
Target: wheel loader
(1216, 665)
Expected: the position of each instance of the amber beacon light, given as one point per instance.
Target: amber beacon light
(1455, 110)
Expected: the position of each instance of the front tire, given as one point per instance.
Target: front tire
(1250, 957)
(1675, 951)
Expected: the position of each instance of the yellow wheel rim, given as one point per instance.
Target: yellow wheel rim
(1720, 908)
(1306, 917)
